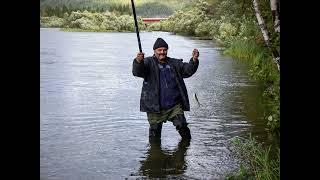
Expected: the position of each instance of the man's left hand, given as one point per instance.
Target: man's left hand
(195, 54)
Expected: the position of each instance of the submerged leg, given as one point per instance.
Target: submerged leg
(182, 126)
(155, 130)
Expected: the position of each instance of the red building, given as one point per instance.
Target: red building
(152, 20)
(147, 21)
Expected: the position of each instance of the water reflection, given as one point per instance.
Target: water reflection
(162, 162)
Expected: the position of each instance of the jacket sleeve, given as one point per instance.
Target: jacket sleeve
(188, 69)
(139, 69)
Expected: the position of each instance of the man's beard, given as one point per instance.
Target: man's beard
(162, 57)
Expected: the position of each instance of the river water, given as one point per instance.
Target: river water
(91, 127)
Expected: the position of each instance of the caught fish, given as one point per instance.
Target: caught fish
(196, 98)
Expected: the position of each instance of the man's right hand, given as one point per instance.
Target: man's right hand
(140, 57)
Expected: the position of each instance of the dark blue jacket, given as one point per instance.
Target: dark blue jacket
(149, 71)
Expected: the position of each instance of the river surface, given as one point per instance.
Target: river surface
(90, 124)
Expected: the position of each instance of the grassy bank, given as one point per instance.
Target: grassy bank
(257, 161)
(260, 164)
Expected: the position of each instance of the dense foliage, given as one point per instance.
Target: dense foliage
(144, 8)
(89, 21)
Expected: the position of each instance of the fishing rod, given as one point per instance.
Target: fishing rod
(136, 24)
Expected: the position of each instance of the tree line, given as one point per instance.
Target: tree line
(150, 8)
(59, 11)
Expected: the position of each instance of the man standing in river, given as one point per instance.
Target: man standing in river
(164, 94)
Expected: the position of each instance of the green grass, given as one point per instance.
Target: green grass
(245, 50)
(257, 161)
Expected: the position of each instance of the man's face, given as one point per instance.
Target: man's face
(161, 53)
